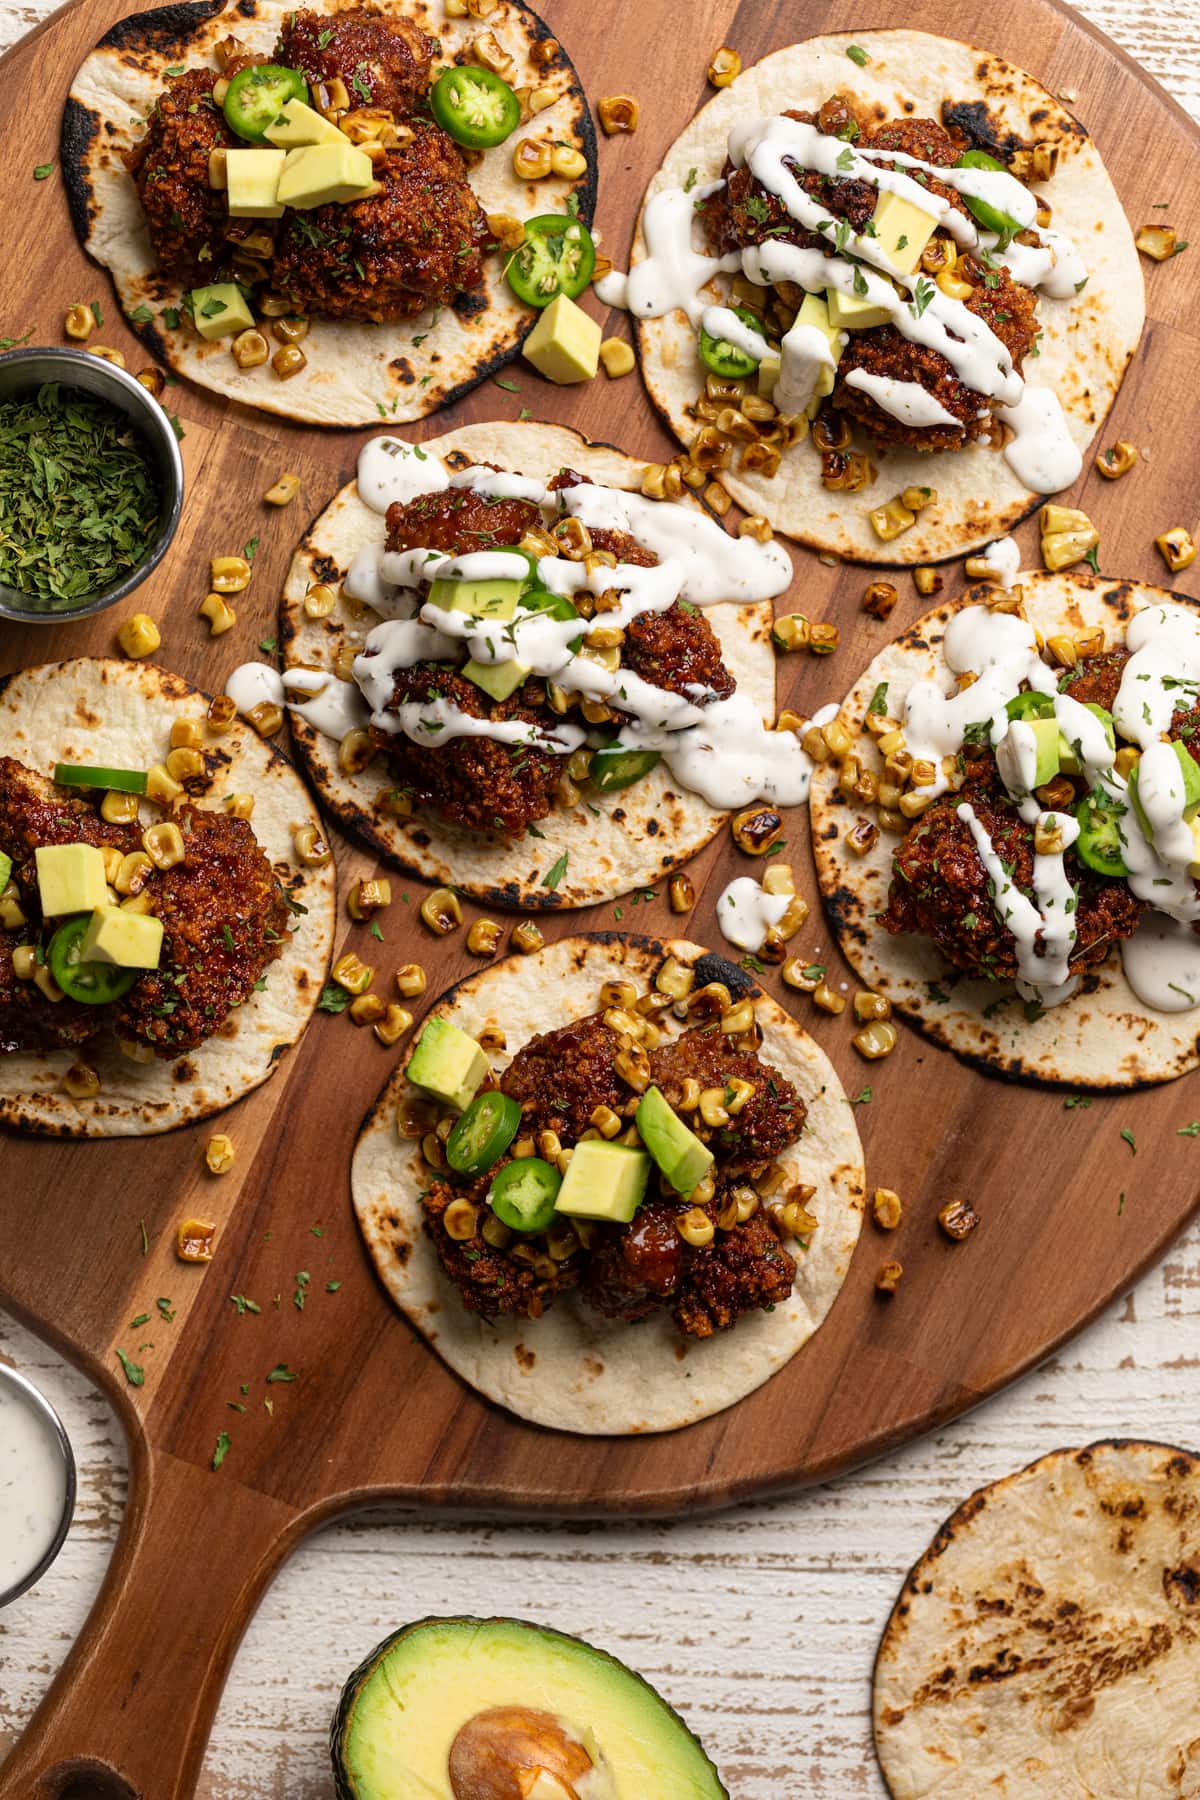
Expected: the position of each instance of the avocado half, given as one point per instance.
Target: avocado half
(405, 1708)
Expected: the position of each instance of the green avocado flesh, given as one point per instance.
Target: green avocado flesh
(492, 599)
(1189, 769)
(402, 1710)
(446, 1064)
(604, 1181)
(683, 1159)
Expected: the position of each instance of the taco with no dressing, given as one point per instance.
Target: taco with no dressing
(885, 292)
(629, 1218)
(1016, 861)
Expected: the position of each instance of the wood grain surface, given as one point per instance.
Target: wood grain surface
(761, 1625)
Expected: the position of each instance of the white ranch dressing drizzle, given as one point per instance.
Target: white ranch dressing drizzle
(391, 469)
(33, 1486)
(723, 323)
(1162, 674)
(907, 401)
(1000, 649)
(253, 684)
(803, 353)
(1162, 964)
(330, 706)
(1041, 453)
(612, 289)
(746, 913)
(1003, 558)
(1047, 921)
(673, 273)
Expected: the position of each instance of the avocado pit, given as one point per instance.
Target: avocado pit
(518, 1753)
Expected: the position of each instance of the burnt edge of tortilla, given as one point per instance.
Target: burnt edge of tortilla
(167, 27)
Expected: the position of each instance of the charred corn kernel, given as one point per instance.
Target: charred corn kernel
(139, 636)
(848, 775)
(939, 253)
(106, 353)
(135, 871)
(493, 1231)
(489, 52)
(913, 805)
(288, 360)
(812, 742)
(1063, 549)
(152, 379)
(311, 847)
(633, 1066)
(876, 1040)
(25, 962)
(712, 1107)
(926, 580)
(880, 599)
(366, 898)
(779, 879)
(889, 520)
(343, 662)
(431, 1150)
(918, 498)
(352, 974)
(1117, 460)
(792, 920)
(791, 632)
(1063, 650)
(112, 863)
(1178, 548)
(11, 915)
(958, 1219)
(1057, 792)
(184, 765)
(549, 1146)
(229, 574)
(823, 639)
(250, 349)
(45, 983)
(572, 539)
(218, 169)
(220, 615)
(219, 1154)
(618, 113)
(607, 1122)
(793, 1216)
(862, 836)
(543, 51)
(1054, 518)
(952, 283)
(441, 912)
(461, 1220)
(319, 601)
(869, 1005)
(624, 1023)
(617, 357)
(356, 752)
(681, 893)
(411, 980)
(136, 1053)
(1157, 241)
(1047, 836)
(739, 1018)
(194, 1240)
(807, 977)
(889, 819)
(186, 734)
(119, 809)
(392, 1026)
(827, 999)
(164, 844)
(240, 806)
(710, 450)
(266, 718)
(886, 1208)
(1127, 758)
(695, 1227)
(1091, 640)
(531, 159)
(737, 1092)
(567, 161)
(537, 100)
(831, 432)
(483, 939)
(526, 938)
(756, 830)
(79, 322)
(717, 497)
(889, 1277)
(762, 458)
(689, 1096)
(221, 714)
(923, 772)
(724, 68)
(507, 230)
(838, 737)
(291, 329)
(523, 1148)
(367, 1009)
(283, 491)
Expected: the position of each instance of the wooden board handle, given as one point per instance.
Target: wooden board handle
(129, 1714)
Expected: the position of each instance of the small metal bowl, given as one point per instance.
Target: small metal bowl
(21, 370)
(24, 1392)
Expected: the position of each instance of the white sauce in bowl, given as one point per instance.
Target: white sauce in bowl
(34, 1484)
(745, 913)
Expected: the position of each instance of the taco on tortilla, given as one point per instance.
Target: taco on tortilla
(1007, 849)
(539, 684)
(885, 289)
(616, 1186)
(161, 943)
(1045, 1643)
(311, 209)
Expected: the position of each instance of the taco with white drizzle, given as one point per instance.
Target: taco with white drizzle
(1007, 839)
(313, 209)
(160, 945)
(885, 292)
(616, 1186)
(538, 685)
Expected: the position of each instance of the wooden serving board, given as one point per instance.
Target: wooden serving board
(1072, 1211)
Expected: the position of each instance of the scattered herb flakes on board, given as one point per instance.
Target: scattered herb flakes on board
(79, 499)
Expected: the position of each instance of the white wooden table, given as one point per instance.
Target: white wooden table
(760, 1625)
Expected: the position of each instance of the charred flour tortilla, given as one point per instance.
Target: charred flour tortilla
(1086, 342)
(100, 712)
(356, 371)
(573, 1369)
(623, 841)
(1103, 1036)
(1046, 1644)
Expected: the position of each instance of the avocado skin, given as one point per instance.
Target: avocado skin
(343, 1718)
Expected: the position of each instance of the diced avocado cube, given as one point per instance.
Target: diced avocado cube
(1068, 762)
(768, 374)
(500, 679)
(220, 310)
(1047, 734)
(902, 231)
(298, 125)
(492, 599)
(447, 1064)
(321, 173)
(679, 1153)
(604, 1181)
(1193, 867)
(815, 311)
(130, 940)
(70, 879)
(251, 177)
(564, 345)
(1189, 770)
(5, 871)
(849, 313)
